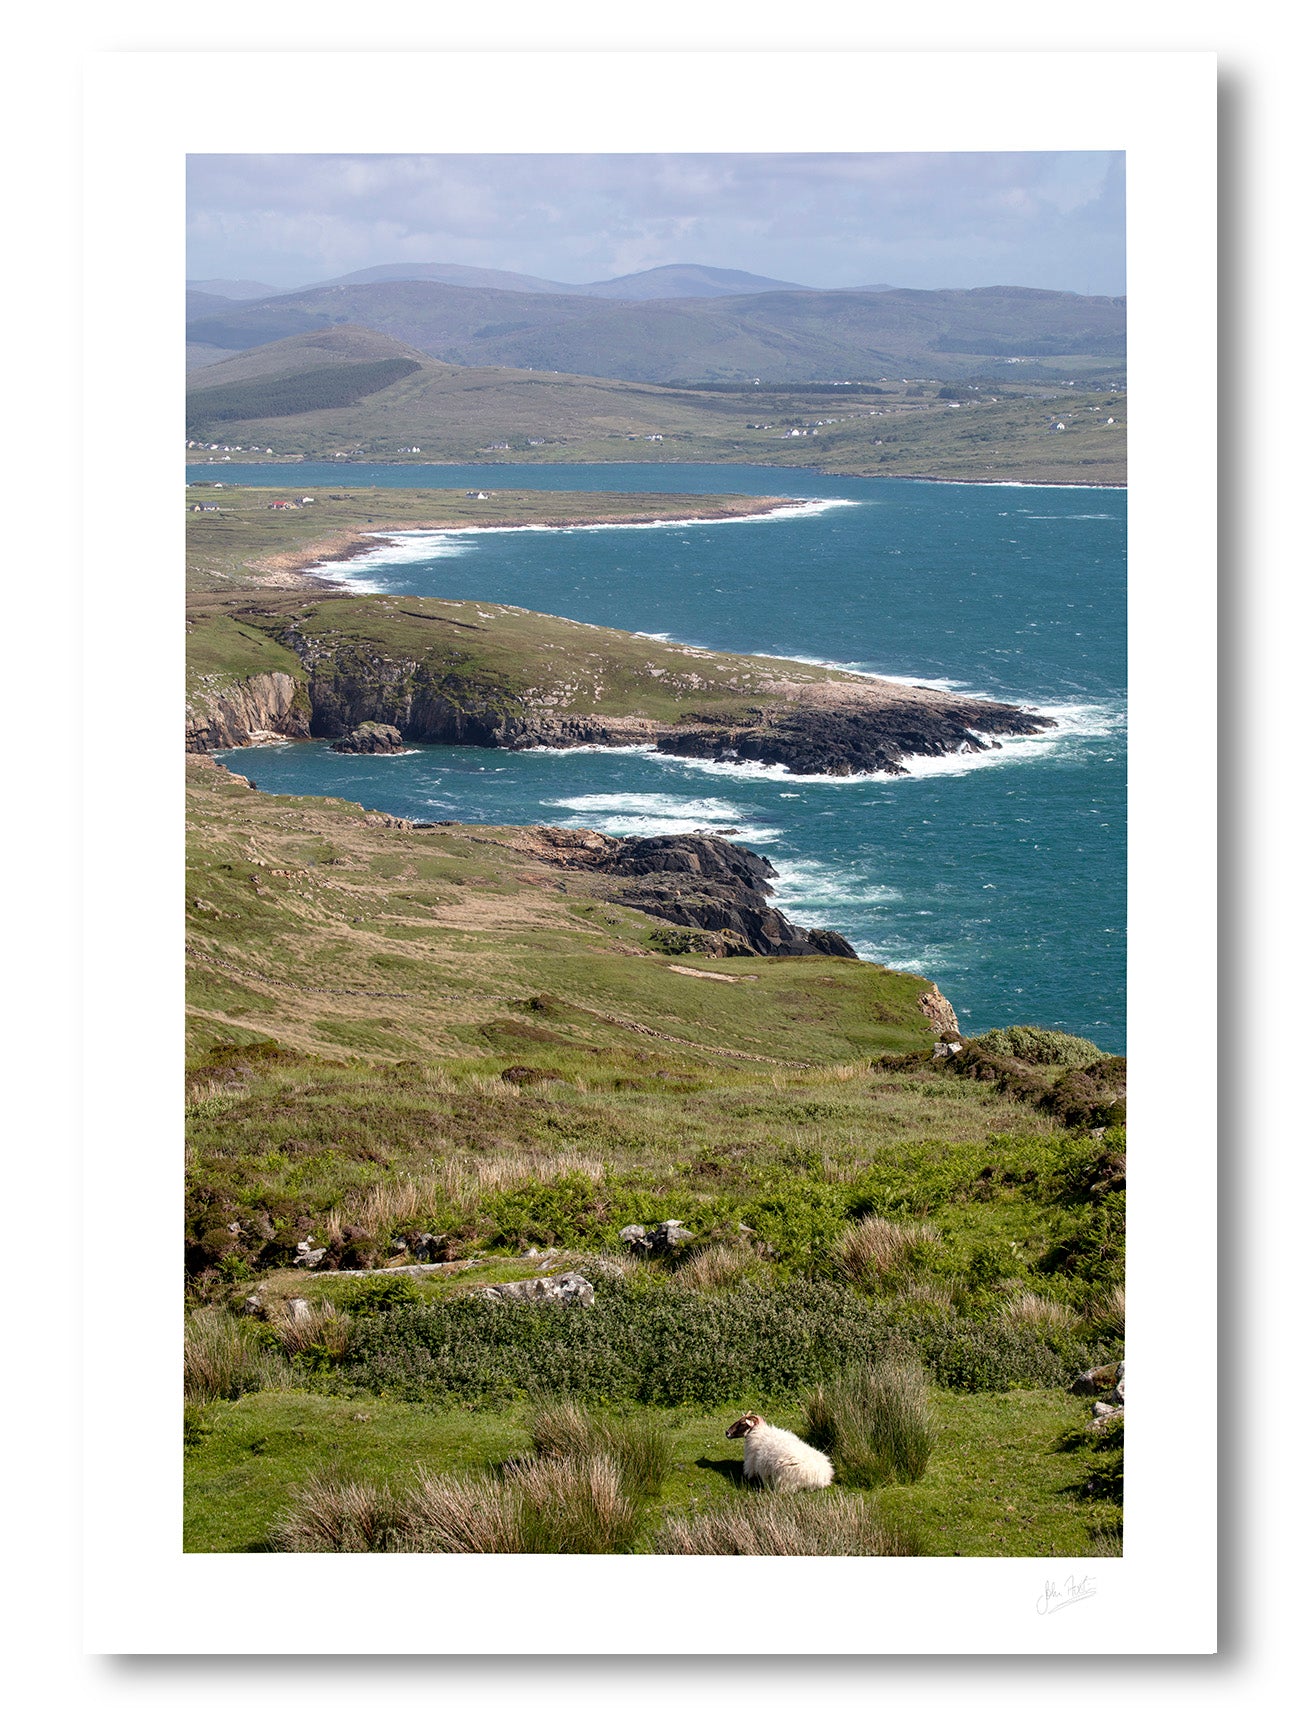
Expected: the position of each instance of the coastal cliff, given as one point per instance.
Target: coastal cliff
(468, 673)
(263, 706)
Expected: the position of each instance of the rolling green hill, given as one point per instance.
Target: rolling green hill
(453, 413)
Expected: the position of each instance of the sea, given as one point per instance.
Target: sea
(1000, 875)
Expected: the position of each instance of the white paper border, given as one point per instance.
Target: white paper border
(144, 113)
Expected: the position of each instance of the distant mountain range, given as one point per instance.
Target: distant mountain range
(675, 280)
(679, 324)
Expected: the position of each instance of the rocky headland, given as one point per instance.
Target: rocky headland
(467, 673)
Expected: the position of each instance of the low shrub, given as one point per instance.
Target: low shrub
(874, 1423)
(824, 1523)
(1037, 1047)
(649, 1340)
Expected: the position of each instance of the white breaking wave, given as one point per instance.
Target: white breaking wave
(813, 886)
(659, 813)
(407, 547)
(859, 669)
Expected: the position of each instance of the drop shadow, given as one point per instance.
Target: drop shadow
(732, 1470)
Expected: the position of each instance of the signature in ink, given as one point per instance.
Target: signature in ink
(1072, 1590)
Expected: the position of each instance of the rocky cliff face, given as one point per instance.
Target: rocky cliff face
(265, 706)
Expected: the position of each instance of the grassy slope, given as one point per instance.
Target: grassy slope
(448, 929)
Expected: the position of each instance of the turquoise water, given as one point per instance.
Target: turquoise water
(1001, 877)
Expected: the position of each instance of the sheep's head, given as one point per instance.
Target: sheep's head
(744, 1425)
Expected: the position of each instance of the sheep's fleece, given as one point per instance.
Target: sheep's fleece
(778, 1459)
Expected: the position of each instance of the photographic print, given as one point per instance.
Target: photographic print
(661, 937)
(655, 903)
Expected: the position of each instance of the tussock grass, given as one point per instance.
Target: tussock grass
(564, 1429)
(577, 1505)
(1028, 1310)
(874, 1247)
(874, 1421)
(717, 1268)
(829, 1523)
(1106, 1313)
(336, 1517)
(224, 1358)
(450, 1189)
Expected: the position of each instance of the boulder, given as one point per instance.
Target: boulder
(658, 1241)
(568, 1289)
(1101, 1380)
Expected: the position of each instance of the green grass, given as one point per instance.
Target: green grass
(1008, 1475)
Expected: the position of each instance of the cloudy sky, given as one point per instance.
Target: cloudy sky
(921, 220)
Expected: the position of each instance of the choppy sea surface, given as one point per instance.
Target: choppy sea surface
(1001, 876)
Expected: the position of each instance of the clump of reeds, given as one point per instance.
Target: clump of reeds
(225, 1357)
(716, 1268)
(320, 1327)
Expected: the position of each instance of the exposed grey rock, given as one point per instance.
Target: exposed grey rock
(375, 738)
(297, 1310)
(569, 1289)
(308, 1257)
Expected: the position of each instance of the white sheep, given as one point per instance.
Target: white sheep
(778, 1459)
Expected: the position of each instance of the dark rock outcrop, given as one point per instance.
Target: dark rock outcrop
(699, 881)
(371, 738)
(876, 739)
